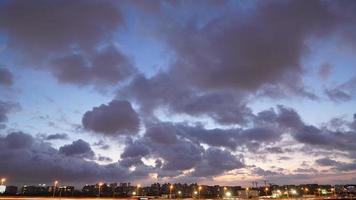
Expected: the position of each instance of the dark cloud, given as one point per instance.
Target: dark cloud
(156, 92)
(107, 67)
(115, 118)
(264, 48)
(104, 159)
(29, 160)
(41, 28)
(78, 148)
(336, 165)
(326, 162)
(5, 108)
(18, 140)
(6, 78)
(265, 173)
(343, 92)
(163, 133)
(57, 136)
(338, 95)
(306, 170)
(135, 149)
(275, 150)
(327, 139)
(216, 161)
(67, 39)
(102, 145)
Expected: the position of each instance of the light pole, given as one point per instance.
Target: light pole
(180, 193)
(54, 188)
(195, 193)
(170, 191)
(138, 189)
(100, 184)
(3, 181)
(247, 189)
(266, 190)
(199, 189)
(333, 191)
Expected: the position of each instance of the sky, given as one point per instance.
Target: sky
(208, 92)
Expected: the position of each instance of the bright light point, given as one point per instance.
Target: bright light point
(228, 194)
(293, 191)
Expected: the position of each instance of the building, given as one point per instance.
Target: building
(10, 190)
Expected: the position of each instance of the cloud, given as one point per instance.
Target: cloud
(116, 118)
(336, 165)
(343, 92)
(306, 170)
(57, 136)
(78, 148)
(222, 106)
(30, 160)
(326, 162)
(216, 161)
(6, 78)
(57, 26)
(7, 107)
(265, 173)
(248, 53)
(102, 145)
(104, 159)
(18, 140)
(107, 67)
(71, 40)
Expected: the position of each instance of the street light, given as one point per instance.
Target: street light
(228, 194)
(54, 188)
(138, 189)
(100, 184)
(247, 189)
(266, 190)
(3, 181)
(195, 193)
(170, 191)
(199, 189)
(179, 193)
(333, 191)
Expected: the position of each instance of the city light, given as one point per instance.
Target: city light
(293, 192)
(3, 181)
(170, 191)
(228, 194)
(55, 187)
(99, 190)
